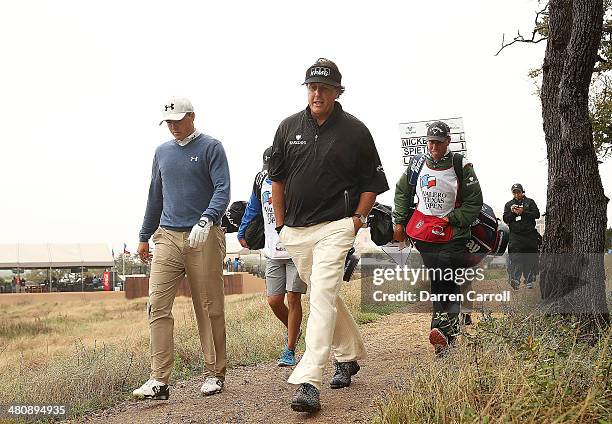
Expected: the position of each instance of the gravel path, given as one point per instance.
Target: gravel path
(260, 394)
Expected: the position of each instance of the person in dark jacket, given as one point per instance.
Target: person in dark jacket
(520, 214)
(326, 174)
(439, 224)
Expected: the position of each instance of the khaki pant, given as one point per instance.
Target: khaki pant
(319, 253)
(172, 260)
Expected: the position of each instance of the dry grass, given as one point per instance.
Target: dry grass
(515, 369)
(89, 354)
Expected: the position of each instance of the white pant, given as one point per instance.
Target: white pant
(319, 252)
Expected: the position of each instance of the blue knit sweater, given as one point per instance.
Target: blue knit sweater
(187, 183)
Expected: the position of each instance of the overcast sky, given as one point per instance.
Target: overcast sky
(82, 86)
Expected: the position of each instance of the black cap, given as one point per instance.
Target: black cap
(438, 131)
(324, 71)
(517, 186)
(266, 158)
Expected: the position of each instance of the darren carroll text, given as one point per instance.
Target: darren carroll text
(425, 296)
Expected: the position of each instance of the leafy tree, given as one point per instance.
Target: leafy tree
(133, 264)
(600, 92)
(572, 278)
(37, 275)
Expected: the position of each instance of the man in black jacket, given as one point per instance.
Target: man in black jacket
(520, 214)
(325, 174)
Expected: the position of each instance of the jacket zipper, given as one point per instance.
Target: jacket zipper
(346, 203)
(316, 130)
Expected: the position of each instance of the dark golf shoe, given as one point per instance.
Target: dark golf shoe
(306, 399)
(344, 372)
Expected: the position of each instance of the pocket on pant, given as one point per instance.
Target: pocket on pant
(156, 235)
(198, 247)
(281, 235)
(351, 225)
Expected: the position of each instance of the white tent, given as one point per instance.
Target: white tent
(28, 256)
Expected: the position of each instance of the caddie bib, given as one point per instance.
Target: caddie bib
(273, 248)
(436, 190)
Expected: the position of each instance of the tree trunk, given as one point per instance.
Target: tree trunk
(573, 278)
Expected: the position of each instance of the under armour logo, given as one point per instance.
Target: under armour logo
(194, 159)
(171, 107)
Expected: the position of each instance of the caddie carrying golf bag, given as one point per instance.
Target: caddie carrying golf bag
(486, 235)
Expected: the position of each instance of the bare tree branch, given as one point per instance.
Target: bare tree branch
(521, 39)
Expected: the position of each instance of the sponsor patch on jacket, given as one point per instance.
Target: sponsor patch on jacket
(428, 181)
(471, 181)
(298, 140)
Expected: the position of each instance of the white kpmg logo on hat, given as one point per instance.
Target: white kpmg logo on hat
(175, 109)
(319, 70)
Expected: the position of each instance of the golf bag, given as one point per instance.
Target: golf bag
(380, 222)
(489, 236)
(233, 216)
(255, 234)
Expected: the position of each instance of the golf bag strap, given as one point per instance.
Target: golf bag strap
(458, 167)
(412, 172)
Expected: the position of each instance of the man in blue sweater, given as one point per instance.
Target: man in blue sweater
(188, 195)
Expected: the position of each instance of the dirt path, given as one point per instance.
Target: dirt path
(260, 394)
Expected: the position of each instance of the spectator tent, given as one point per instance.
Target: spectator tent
(30, 256)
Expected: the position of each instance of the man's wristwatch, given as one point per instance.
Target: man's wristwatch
(203, 221)
(362, 218)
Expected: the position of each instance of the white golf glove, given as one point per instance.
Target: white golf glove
(199, 232)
